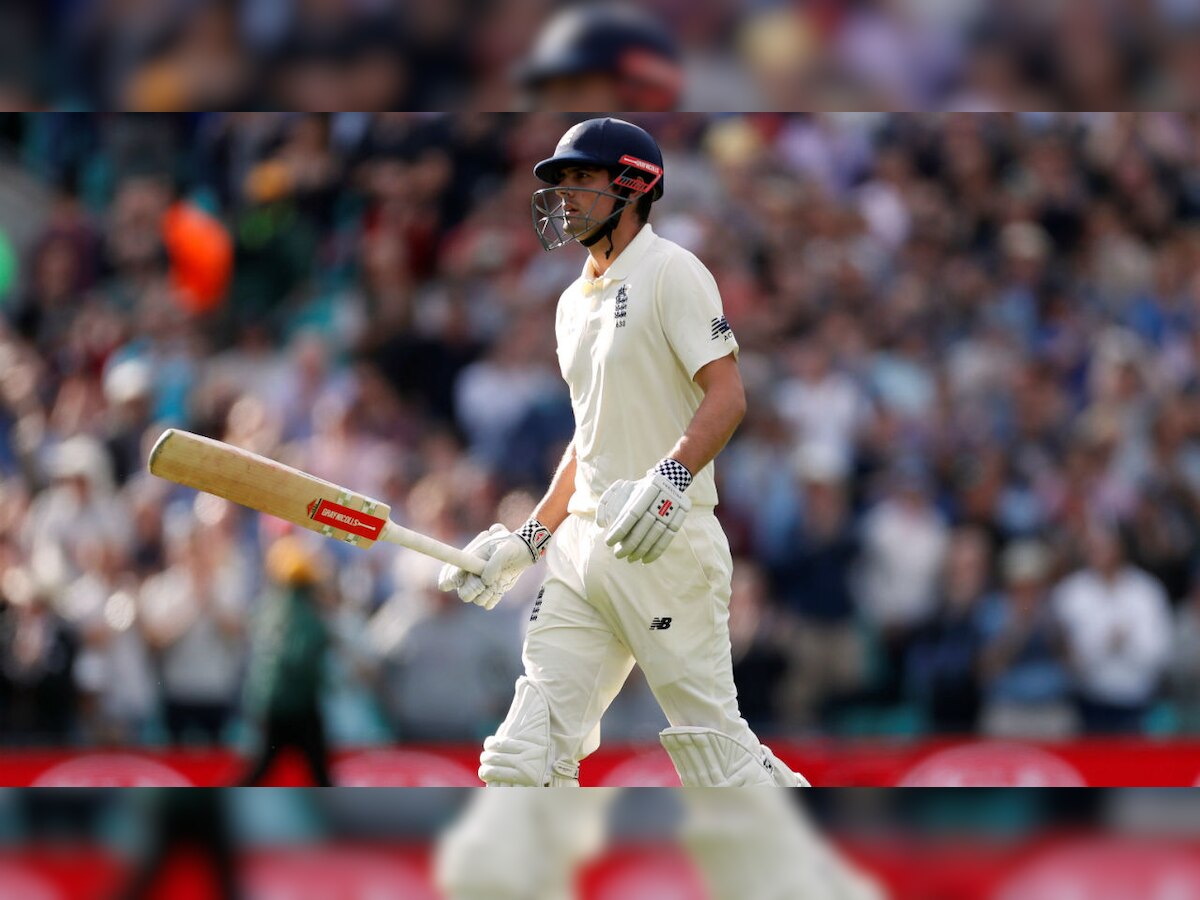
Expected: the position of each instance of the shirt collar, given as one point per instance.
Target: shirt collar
(621, 266)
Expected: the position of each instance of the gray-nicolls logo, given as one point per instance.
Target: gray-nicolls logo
(621, 304)
(660, 623)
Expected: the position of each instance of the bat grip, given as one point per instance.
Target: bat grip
(423, 543)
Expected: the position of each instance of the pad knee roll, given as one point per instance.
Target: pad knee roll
(704, 757)
(519, 754)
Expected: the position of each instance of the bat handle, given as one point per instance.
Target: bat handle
(423, 543)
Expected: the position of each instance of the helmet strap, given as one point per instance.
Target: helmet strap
(606, 231)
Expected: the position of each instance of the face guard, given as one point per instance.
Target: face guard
(556, 226)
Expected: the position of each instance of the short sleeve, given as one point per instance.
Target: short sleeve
(692, 318)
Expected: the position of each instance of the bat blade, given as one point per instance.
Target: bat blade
(268, 486)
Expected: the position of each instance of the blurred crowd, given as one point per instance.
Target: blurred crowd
(736, 54)
(966, 496)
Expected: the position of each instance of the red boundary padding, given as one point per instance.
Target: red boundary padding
(1094, 763)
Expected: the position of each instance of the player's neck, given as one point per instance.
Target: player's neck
(627, 229)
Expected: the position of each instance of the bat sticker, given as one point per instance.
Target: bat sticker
(346, 519)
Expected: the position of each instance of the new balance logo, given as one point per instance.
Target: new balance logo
(660, 624)
(721, 329)
(620, 308)
(537, 606)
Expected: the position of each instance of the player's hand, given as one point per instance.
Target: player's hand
(508, 554)
(471, 588)
(646, 514)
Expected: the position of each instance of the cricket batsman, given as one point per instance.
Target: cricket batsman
(638, 568)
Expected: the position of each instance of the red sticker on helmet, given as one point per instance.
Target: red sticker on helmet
(642, 164)
(634, 184)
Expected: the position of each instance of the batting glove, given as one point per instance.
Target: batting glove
(646, 514)
(508, 554)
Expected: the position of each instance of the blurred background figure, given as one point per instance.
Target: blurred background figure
(814, 571)
(1117, 625)
(195, 615)
(288, 661)
(38, 652)
(1185, 659)
(942, 664)
(1023, 666)
(450, 637)
(113, 671)
(760, 639)
(603, 58)
(904, 543)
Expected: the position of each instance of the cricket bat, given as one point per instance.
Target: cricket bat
(271, 487)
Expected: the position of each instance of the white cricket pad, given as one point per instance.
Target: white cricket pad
(519, 754)
(704, 757)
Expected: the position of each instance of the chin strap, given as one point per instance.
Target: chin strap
(609, 226)
(605, 232)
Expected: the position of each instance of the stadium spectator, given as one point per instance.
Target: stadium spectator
(113, 670)
(821, 405)
(37, 651)
(942, 664)
(1117, 625)
(451, 637)
(78, 504)
(1185, 661)
(904, 542)
(812, 577)
(195, 622)
(758, 635)
(1023, 667)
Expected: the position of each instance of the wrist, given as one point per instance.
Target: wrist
(536, 537)
(675, 472)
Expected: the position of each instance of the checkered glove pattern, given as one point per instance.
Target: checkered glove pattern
(675, 472)
(508, 554)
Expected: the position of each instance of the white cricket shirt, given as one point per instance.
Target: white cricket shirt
(629, 344)
(1092, 609)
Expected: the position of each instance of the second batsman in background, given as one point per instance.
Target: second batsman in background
(638, 569)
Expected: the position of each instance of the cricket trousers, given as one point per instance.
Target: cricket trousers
(597, 615)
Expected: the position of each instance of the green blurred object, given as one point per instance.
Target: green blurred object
(8, 267)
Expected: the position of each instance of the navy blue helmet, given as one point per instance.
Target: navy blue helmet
(627, 152)
(620, 41)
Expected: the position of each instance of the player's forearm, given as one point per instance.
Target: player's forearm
(552, 509)
(712, 426)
